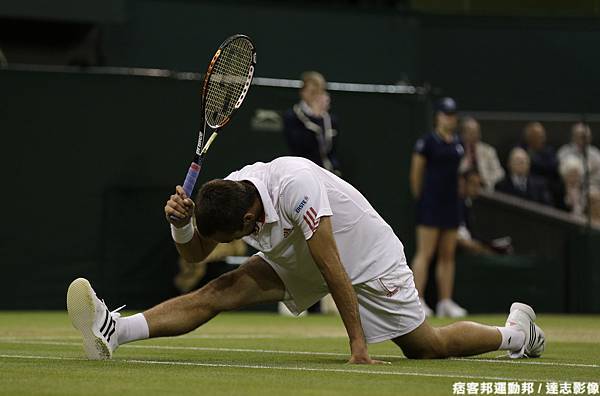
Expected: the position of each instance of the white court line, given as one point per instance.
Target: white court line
(283, 352)
(195, 336)
(261, 367)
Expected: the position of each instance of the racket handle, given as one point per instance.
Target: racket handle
(190, 179)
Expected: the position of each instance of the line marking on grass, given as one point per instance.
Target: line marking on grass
(198, 336)
(265, 367)
(315, 353)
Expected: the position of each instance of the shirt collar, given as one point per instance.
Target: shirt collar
(271, 215)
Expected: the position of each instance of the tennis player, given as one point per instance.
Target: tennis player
(315, 234)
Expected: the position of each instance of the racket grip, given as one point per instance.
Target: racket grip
(190, 179)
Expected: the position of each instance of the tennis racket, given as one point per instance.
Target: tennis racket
(225, 87)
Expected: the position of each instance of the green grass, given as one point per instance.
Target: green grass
(264, 354)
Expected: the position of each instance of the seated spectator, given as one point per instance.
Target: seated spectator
(543, 159)
(519, 182)
(469, 187)
(479, 155)
(571, 172)
(581, 137)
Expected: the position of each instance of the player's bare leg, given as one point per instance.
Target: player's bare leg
(103, 331)
(520, 337)
(427, 239)
(254, 282)
(457, 339)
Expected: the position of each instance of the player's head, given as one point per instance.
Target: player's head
(227, 210)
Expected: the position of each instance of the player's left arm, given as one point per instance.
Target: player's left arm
(324, 251)
(306, 205)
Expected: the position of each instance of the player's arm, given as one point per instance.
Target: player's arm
(179, 210)
(324, 251)
(417, 170)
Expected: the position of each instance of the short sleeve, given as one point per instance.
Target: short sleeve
(305, 201)
(422, 147)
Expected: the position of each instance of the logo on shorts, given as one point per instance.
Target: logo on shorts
(301, 205)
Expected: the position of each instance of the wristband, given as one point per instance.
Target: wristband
(184, 234)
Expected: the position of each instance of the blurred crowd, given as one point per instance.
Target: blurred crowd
(567, 179)
(451, 165)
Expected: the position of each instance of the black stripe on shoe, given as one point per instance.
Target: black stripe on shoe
(111, 333)
(106, 315)
(109, 327)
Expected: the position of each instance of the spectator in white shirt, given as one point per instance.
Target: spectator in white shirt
(572, 172)
(479, 155)
(581, 137)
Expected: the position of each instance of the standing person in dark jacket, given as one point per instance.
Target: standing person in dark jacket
(434, 184)
(310, 130)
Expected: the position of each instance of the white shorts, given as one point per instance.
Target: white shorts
(389, 307)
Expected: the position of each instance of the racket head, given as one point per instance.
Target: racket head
(228, 80)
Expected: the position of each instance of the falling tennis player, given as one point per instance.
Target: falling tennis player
(316, 234)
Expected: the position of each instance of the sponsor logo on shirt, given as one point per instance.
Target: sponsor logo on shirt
(311, 219)
(301, 205)
(286, 232)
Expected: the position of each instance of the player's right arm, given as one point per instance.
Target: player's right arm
(179, 211)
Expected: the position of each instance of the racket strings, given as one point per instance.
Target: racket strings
(228, 81)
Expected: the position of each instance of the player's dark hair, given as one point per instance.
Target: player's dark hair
(221, 206)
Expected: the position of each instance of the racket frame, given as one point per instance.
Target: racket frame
(201, 148)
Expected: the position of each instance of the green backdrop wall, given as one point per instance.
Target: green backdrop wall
(88, 161)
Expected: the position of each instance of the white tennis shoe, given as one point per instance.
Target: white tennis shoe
(523, 316)
(89, 315)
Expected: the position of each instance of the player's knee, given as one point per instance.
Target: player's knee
(435, 347)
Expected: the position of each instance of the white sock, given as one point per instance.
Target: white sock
(512, 338)
(132, 328)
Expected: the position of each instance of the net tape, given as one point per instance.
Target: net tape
(229, 81)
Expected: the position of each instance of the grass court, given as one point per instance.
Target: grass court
(266, 354)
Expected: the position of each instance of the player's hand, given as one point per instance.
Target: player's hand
(365, 359)
(179, 208)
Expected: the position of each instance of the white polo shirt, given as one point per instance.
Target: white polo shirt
(295, 194)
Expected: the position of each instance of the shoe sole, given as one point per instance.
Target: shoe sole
(82, 311)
